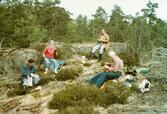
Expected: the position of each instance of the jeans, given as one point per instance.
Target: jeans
(54, 64)
(100, 47)
(100, 78)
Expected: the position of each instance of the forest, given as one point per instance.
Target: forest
(28, 21)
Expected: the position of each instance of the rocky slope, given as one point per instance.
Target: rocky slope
(154, 101)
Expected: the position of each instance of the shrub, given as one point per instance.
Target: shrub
(130, 58)
(69, 73)
(75, 95)
(116, 92)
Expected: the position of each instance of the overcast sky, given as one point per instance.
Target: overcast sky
(88, 7)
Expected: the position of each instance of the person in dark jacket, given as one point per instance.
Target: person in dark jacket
(29, 74)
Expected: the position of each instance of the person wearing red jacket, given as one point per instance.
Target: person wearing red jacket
(48, 54)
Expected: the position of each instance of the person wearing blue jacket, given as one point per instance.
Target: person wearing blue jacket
(29, 74)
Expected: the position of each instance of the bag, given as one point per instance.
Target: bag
(29, 81)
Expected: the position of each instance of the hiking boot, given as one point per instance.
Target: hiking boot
(93, 55)
(100, 57)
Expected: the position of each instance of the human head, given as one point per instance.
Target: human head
(103, 31)
(112, 54)
(31, 62)
(51, 42)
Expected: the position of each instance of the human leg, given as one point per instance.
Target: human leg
(101, 50)
(99, 79)
(96, 47)
(54, 65)
(46, 64)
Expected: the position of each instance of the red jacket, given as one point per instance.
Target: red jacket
(49, 52)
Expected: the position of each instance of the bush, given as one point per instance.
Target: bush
(130, 58)
(75, 95)
(116, 92)
(69, 73)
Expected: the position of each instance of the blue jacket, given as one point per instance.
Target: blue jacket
(26, 71)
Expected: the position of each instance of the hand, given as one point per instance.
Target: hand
(106, 68)
(44, 56)
(99, 40)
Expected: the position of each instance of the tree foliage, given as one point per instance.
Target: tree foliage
(27, 21)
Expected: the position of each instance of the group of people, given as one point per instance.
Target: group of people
(29, 71)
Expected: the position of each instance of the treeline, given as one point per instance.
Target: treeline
(27, 21)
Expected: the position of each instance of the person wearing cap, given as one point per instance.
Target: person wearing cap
(29, 74)
(48, 54)
(103, 43)
(110, 72)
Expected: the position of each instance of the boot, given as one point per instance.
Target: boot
(46, 70)
(93, 55)
(100, 57)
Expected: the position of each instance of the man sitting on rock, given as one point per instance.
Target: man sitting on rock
(110, 72)
(103, 43)
(29, 75)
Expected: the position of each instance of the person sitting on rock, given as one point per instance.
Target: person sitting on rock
(29, 74)
(103, 43)
(49, 58)
(110, 72)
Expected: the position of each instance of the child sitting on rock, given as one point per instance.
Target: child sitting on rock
(29, 75)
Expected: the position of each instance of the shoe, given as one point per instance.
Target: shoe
(55, 71)
(100, 57)
(46, 71)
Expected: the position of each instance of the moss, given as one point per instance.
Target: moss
(69, 73)
(75, 95)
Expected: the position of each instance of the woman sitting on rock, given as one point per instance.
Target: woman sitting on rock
(49, 58)
(110, 72)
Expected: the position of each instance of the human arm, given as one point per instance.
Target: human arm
(24, 70)
(105, 38)
(44, 52)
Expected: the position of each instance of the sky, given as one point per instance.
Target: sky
(129, 7)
